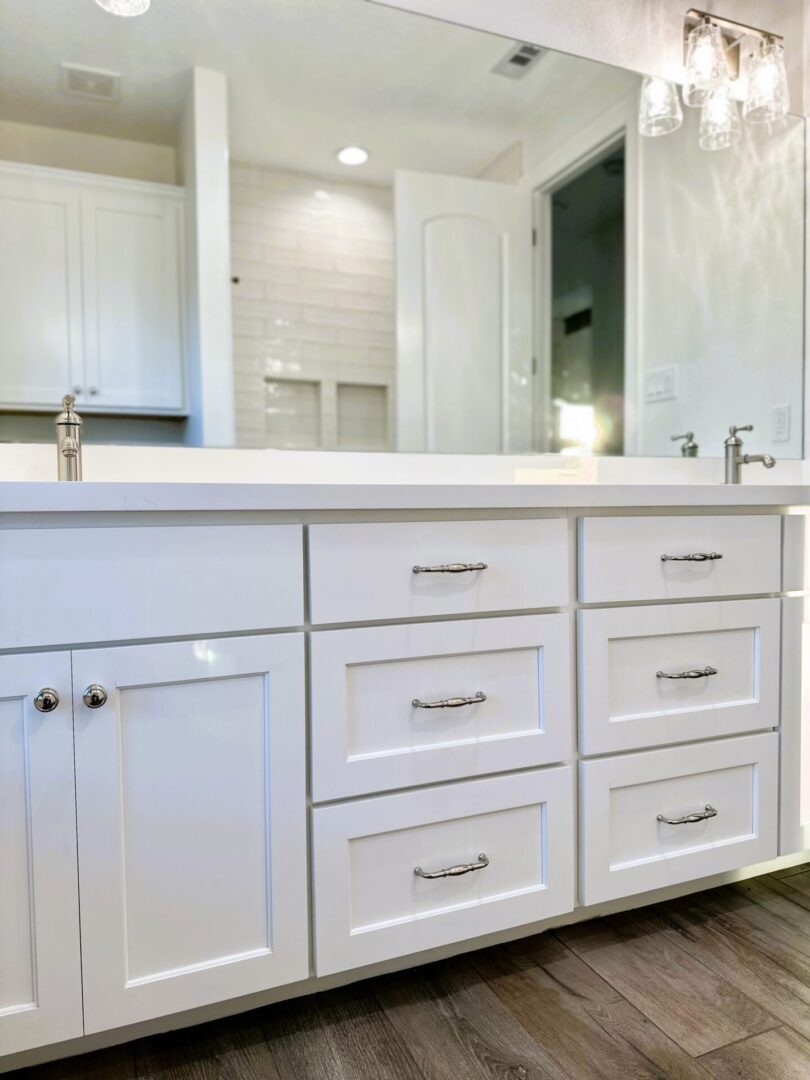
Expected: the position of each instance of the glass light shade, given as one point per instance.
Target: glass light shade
(719, 121)
(767, 98)
(706, 67)
(127, 8)
(659, 110)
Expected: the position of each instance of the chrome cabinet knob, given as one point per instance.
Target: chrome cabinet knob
(46, 700)
(94, 696)
(78, 389)
(93, 391)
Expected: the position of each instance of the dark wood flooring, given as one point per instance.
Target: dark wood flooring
(711, 985)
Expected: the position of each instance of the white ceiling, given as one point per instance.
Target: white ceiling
(306, 77)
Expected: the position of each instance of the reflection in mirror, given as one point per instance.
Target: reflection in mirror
(428, 239)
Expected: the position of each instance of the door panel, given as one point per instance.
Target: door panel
(193, 883)
(132, 296)
(40, 973)
(463, 314)
(40, 291)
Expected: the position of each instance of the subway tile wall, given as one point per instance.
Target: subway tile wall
(313, 310)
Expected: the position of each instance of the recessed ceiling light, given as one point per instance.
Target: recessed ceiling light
(127, 8)
(352, 155)
(321, 195)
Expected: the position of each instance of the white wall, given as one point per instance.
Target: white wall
(721, 283)
(643, 35)
(58, 148)
(313, 310)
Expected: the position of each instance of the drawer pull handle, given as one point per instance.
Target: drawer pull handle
(695, 673)
(450, 702)
(689, 819)
(451, 568)
(696, 556)
(453, 871)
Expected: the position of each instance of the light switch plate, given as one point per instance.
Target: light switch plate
(780, 423)
(661, 384)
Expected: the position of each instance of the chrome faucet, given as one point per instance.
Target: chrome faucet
(69, 440)
(689, 448)
(735, 459)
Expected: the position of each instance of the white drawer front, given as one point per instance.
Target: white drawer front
(620, 558)
(627, 703)
(369, 736)
(625, 849)
(155, 581)
(365, 572)
(370, 905)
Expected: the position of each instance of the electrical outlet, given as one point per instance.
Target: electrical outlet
(780, 423)
(661, 384)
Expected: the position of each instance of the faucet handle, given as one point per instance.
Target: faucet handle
(744, 427)
(689, 447)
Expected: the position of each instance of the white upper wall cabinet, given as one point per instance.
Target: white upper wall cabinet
(131, 245)
(92, 297)
(40, 290)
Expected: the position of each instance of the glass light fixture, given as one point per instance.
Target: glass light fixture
(659, 111)
(767, 98)
(126, 8)
(719, 121)
(706, 66)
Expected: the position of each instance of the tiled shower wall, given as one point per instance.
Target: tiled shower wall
(313, 311)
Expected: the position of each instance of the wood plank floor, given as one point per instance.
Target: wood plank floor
(715, 985)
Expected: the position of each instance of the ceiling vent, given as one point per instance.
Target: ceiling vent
(95, 83)
(520, 59)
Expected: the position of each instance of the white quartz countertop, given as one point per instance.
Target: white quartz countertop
(146, 479)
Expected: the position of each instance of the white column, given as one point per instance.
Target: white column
(205, 166)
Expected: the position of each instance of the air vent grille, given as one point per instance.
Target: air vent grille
(95, 83)
(520, 59)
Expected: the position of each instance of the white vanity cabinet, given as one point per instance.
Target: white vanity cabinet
(190, 809)
(190, 784)
(40, 966)
(668, 675)
(493, 741)
(92, 292)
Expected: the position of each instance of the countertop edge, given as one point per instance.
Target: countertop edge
(25, 497)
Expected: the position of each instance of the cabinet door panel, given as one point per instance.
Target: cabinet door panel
(40, 975)
(191, 806)
(40, 291)
(132, 297)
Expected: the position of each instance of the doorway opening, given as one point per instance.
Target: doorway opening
(585, 305)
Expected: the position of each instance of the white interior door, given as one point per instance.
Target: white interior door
(464, 366)
(40, 291)
(192, 817)
(132, 300)
(40, 973)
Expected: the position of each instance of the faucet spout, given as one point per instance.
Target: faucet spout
(766, 459)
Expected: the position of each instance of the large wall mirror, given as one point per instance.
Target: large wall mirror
(496, 262)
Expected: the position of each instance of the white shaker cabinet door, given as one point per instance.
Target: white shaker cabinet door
(192, 818)
(133, 287)
(40, 292)
(40, 972)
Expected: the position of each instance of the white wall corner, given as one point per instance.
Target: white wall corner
(204, 161)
